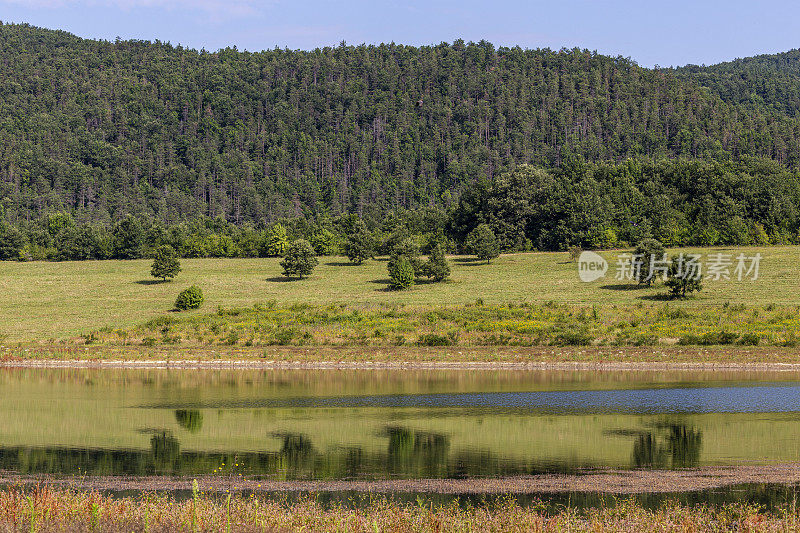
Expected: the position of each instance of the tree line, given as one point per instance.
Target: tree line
(590, 205)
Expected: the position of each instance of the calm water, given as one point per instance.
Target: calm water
(381, 424)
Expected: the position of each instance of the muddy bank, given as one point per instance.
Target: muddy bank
(606, 481)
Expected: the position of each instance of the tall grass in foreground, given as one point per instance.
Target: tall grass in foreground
(44, 510)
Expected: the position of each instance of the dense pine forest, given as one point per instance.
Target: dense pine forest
(102, 142)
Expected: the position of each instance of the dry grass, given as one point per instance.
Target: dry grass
(44, 510)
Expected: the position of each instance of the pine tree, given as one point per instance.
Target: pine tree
(681, 279)
(299, 260)
(165, 263)
(649, 254)
(360, 244)
(437, 268)
(401, 273)
(482, 242)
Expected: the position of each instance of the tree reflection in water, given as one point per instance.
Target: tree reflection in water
(190, 420)
(668, 446)
(418, 452)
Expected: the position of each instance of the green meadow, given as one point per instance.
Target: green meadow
(49, 301)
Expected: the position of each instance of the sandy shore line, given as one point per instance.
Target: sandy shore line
(606, 481)
(250, 364)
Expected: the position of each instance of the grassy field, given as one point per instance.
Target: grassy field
(50, 301)
(45, 510)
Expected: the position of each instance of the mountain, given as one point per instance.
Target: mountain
(102, 129)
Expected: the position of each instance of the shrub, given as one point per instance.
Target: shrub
(300, 259)
(165, 263)
(749, 339)
(401, 273)
(709, 339)
(432, 339)
(573, 338)
(191, 298)
(574, 253)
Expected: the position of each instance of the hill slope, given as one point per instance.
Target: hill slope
(104, 128)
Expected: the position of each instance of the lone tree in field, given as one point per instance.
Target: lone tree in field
(401, 273)
(165, 263)
(276, 241)
(360, 244)
(299, 260)
(482, 242)
(650, 255)
(683, 277)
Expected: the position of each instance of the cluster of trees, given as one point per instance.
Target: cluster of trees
(589, 205)
(104, 129)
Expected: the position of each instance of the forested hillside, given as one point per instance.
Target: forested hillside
(768, 83)
(102, 129)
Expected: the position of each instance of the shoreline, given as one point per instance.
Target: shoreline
(402, 357)
(250, 364)
(622, 482)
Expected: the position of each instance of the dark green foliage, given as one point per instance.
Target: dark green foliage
(198, 146)
(436, 267)
(105, 128)
(406, 249)
(10, 242)
(299, 260)
(360, 244)
(401, 273)
(682, 280)
(191, 298)
(482, 243)
(128, 238)
(649, 253)
(165, 263)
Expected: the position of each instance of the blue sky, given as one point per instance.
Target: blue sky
(664, 33)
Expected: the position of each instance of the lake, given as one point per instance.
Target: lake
(308, 424)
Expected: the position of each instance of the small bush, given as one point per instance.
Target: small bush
(574, 253)
(712, 338)
(573, 338)
(432, 339)
(749, 339)
(191, 298)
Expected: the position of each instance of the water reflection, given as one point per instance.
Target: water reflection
(292, 425)
(421, 452)
(189, 419)
(668, 446)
